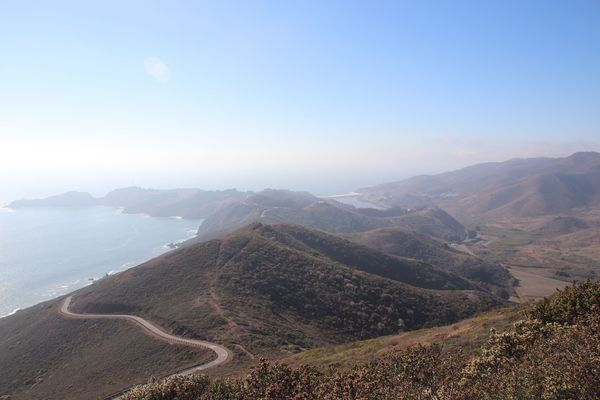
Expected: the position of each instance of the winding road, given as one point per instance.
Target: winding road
(223, 354)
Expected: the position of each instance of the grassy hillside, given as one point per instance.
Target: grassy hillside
(515, 188)
(407, 243)
(261, 291)
(553, 353)
(279, 288)
(46, 356)
(537, 213)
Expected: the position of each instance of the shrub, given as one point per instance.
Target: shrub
(178, 387)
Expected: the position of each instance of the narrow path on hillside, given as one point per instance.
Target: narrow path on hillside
(223, 354)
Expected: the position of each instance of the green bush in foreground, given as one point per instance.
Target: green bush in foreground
(553, 354)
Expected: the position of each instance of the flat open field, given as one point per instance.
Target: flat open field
(533, 283)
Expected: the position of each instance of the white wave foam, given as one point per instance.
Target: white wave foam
(10, 313)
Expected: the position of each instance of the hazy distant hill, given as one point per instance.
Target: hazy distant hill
(197, 205)
(185, 203)
(134, 196)
(407, 243)
(69, 199)
(329, 216)
(519, 187)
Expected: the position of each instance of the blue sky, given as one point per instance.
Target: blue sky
(324, 96)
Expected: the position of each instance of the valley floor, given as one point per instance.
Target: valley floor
(534, 284)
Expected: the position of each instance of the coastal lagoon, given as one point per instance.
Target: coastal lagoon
(352, 199)
(48, 252)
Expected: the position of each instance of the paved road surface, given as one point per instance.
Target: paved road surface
(223, 355)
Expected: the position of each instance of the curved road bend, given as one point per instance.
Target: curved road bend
(223, 355)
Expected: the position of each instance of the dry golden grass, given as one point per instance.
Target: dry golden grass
(534, 283)
(468, 334)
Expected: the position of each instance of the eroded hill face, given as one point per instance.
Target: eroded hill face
(279, 288)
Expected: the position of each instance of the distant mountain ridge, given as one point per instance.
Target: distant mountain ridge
(184, 203)
(68, 199)
(327, 215)
(514, 188)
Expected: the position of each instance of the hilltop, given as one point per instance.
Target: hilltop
(184, 203)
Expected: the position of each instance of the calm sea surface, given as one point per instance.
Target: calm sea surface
(48, 252)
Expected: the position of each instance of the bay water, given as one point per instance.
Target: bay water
(48, 252)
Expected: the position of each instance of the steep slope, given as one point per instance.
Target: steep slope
(271, 288)
(543, 194)
(515, 188)
(407, 243)
(46, 356)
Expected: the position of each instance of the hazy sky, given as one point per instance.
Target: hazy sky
(317, 95)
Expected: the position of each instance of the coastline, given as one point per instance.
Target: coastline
(49, 252)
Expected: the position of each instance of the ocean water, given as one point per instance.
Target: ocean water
(353, 201)
(48, 252)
